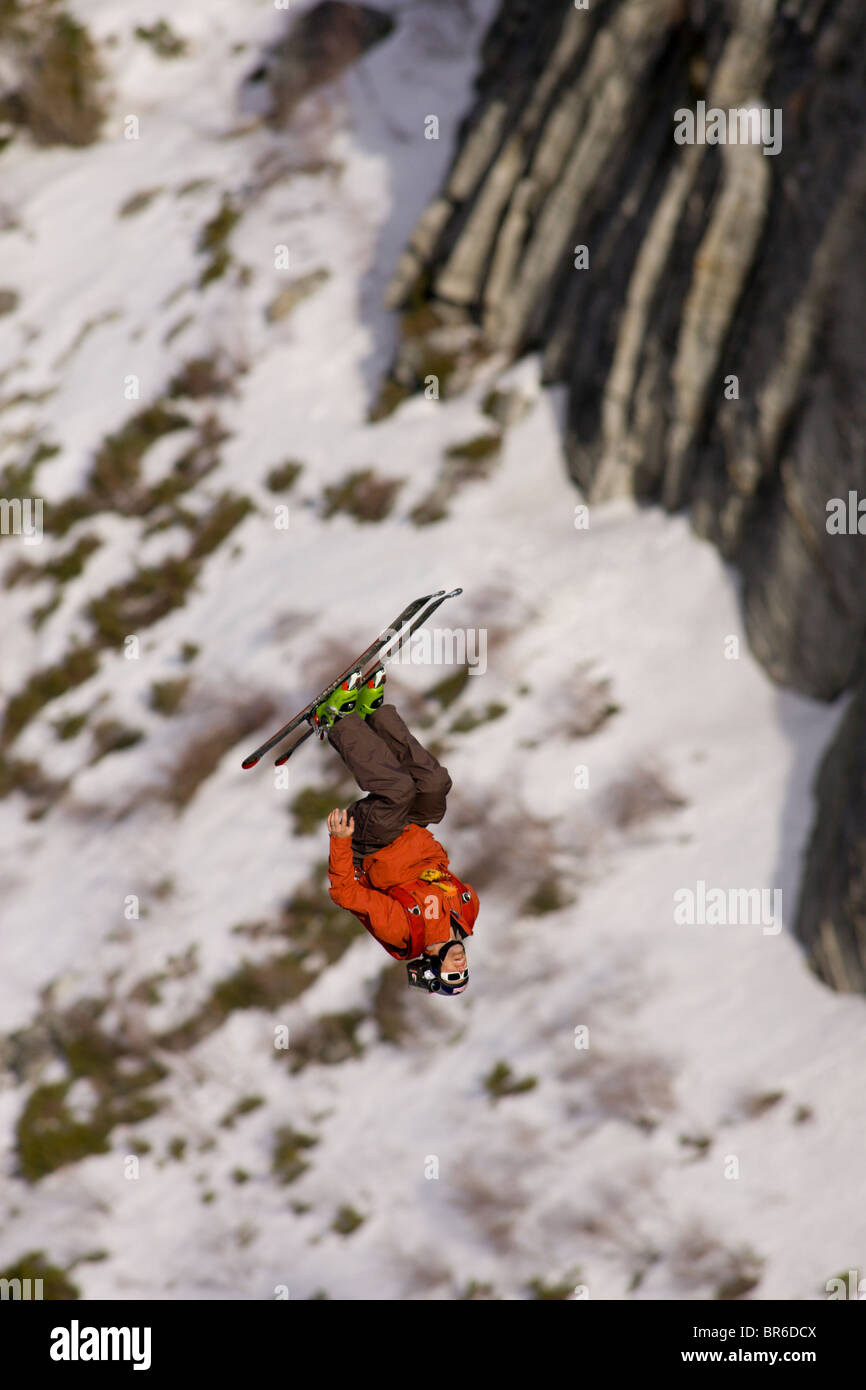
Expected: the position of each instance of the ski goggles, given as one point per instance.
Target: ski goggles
(453, 978)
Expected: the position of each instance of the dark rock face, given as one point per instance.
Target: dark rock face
(712, 342)
(832, 914)
(320, 45)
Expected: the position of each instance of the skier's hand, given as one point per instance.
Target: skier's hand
(340, 825)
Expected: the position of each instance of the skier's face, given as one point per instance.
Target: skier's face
(455, 958)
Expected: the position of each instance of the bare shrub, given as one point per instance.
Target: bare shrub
(49, 683)
(548, 895)
(640, 796)
(700, 1259)
(470, 461)
(287, 1161)
(19, 774)
(165, 42)
(556, 1292)
(329, 1040)
(59, 100)
(115, 478)
(290, 296)
(210, 374)
(166, 697)
(589, 703)
(422, 1270)
(315, 49)
(284, 476)
(449, 688)
(112, 736)
(500, 1081)
(492, 1197)
(753, 1104)
(478, 1291)
(365, 494)
(141, 600)
(637, 1089)
(615, 1219)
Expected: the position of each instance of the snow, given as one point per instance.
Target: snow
(537, 1185)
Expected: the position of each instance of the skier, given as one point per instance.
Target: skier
(384, 865)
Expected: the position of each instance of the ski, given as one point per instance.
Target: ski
(381, 641)
(435, 601)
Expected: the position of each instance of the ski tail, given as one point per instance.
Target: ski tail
(435, 601)
(381, 641)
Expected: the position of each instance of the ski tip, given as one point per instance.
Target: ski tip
(250, 762)
(454, 593)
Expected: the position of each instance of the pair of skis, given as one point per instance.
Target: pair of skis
(414, 614)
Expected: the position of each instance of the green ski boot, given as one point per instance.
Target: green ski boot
(371, 694)
(339, 703)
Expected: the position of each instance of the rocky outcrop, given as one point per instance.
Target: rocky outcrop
(832, 912)
(702, 302)
(316, 48)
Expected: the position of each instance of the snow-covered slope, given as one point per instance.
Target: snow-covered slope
(710, 1133)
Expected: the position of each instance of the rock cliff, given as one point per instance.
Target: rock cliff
(704, 305)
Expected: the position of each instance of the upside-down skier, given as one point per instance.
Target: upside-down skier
(384, 865)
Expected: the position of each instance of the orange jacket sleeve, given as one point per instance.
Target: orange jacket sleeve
(381, 915)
